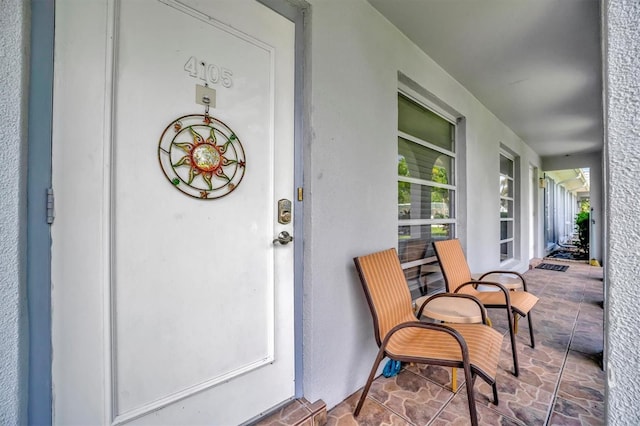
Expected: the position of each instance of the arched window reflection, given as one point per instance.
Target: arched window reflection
(426, 191)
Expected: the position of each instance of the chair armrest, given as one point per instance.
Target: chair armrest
(517, 274)
(489, 283)
(436, 327)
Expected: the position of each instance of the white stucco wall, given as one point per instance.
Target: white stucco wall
(14, 36)
(350, 180)
(622, 162)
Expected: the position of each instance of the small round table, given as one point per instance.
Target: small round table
(510, 281)
(448, 309)
(452, 310)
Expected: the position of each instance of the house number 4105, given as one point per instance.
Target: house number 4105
(209, 73)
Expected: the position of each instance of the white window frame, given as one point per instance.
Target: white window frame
(425, 103)
(512, 182)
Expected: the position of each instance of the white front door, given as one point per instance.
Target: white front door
(171, 302)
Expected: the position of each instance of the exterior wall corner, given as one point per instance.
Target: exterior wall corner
(14, 69)
(621, 48)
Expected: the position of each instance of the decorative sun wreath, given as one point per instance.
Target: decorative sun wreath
(201, 156)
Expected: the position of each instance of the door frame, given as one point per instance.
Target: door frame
(39, 181)
(40, 109)
(297, 13)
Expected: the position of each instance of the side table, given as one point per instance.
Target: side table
(451, 310)
(511, 282)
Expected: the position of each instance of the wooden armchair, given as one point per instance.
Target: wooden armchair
(400, 336)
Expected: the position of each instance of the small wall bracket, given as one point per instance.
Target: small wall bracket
(205, 96)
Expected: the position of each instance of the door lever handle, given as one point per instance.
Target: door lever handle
(283, 238)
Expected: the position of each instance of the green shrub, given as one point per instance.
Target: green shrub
(582, 227)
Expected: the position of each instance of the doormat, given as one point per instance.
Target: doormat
(552, 267)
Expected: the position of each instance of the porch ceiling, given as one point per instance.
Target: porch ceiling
(573, 180)
(535, 64)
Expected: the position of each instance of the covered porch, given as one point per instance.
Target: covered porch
(355, 58)
(561, 381)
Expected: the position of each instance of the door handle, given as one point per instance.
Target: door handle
(283, 238)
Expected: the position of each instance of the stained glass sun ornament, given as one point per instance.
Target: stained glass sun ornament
(201, 156)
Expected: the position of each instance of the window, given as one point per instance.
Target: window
(507, 212)
(426, 191)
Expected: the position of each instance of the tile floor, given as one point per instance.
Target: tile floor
(299, 412)
(561, 381)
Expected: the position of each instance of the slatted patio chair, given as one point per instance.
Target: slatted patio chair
(457, 278)
(402, 337)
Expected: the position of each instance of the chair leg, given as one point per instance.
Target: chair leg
(454, 379)
(468, 378)
(495, 393)
(515, 323)
(376, 363)
(533, 341)
(512, 335)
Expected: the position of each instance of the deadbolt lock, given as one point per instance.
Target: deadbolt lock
(284, 211)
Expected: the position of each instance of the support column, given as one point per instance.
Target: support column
(621, 36)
